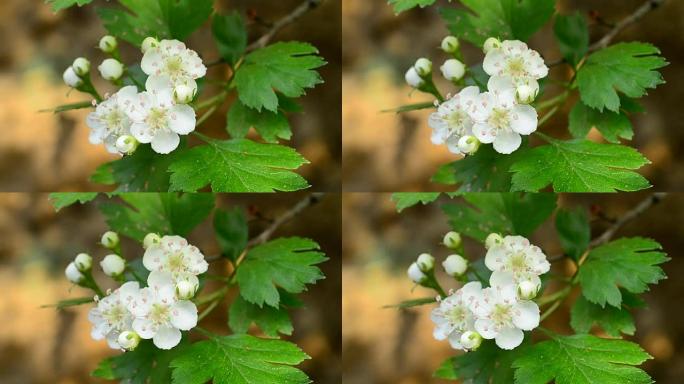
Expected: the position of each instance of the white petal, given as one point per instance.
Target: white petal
(480, 108)
(144, 328)
(184, 315)
(182, 119)
(524, 120)
(471, 290)
(156, 83)
(154, 258)
(152, 61)
(509, 338)
(500, 84)
(452, 144)
(455, 341)
(501, 279)
(129, 291)
(507, 142)
(526, 315)
(485, 133)
(469, 93)
(493, 62)
(163, 97)
(165, 141)
(486, 328)
(167, 338)
(494, 259)
(158, 279)
(141, 132)
(113, 340)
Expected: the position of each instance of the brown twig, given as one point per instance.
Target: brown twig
(640, 12)
(296, 13)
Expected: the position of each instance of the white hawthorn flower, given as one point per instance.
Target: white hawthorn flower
(73, 274)
(455, 265)
(112, 316)
(515, 60)
(454, 316)
(108, 44)
(83, 262)
(415, 274)
(158, 315)
(71, 78)
(81, 66)
(455, 118)
(113, 265)
(111, 69)
(501, 315)
(453, 70)
(412, 78)
(517, 256)
(109, 121)
(171, 62)
(504, 120)
(157, 119)
(174, 255)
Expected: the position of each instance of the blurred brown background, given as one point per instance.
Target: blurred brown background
(43, 345)
(388, 152)
(45, 152)
(390, 346)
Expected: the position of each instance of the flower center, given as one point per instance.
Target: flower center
(159, 313)
(457, 315)
(502, 314)
(157, 119)
(115, 121)
(116, 315)
(456, 120)
(518, 262)
(176, 262)
(516, 67)
(499, 118)
(174, 67)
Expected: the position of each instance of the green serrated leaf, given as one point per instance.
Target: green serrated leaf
(270, 125)
(505, 213)
(505, 19)
(230, 34)
(579, 166)
(288, 67)
(288, 263)
(162, 213)
(629, 263)
(231, 232)
(572, 34)
(271, 321)
(614, 321)
(64, 199)
(582, 359)
(630, 68)
(485, 171)
(404, 5)
(144, 365)
(612, 126)
(58, 5)
(143, 171)
(238, 165)
(405, 200)
(488, 364)
(574, 231)
(240, 359)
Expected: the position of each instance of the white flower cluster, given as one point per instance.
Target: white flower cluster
(159, 311)
(157, 115)
(501, 311)
(502, 114)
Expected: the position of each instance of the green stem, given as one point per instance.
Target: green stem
(216, 100)
(429, 87)
(206, 115)
(208, 310)
(548, 115)
(212, 296)
(554, 101)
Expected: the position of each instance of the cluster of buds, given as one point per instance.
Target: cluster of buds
(419, 76)
(78, 74)
(422, 270)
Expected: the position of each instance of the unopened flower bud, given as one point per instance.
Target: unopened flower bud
(492, 240)
(126, 144)
(423, 66)
(113, 265)
(453, 70)
(471, 340)
(525, 94)
(468, 144)
(426, 262)
(83, 262)
(81, 66)
(108, 44)
(185, 290)
(149, 42)
(129, 340)
(452, 240)
(415, 274)
(183, 94)
(455, 265)
(528, 290)
(412, 78)
(71, 78)
(73, 274)
(150, 240)
(111, 69)
(490, 44)
(110, 239)
(450, 44)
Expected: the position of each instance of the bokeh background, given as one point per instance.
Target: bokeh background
(389, 152)
(391, 346)
(46, 152)
(43, 345)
